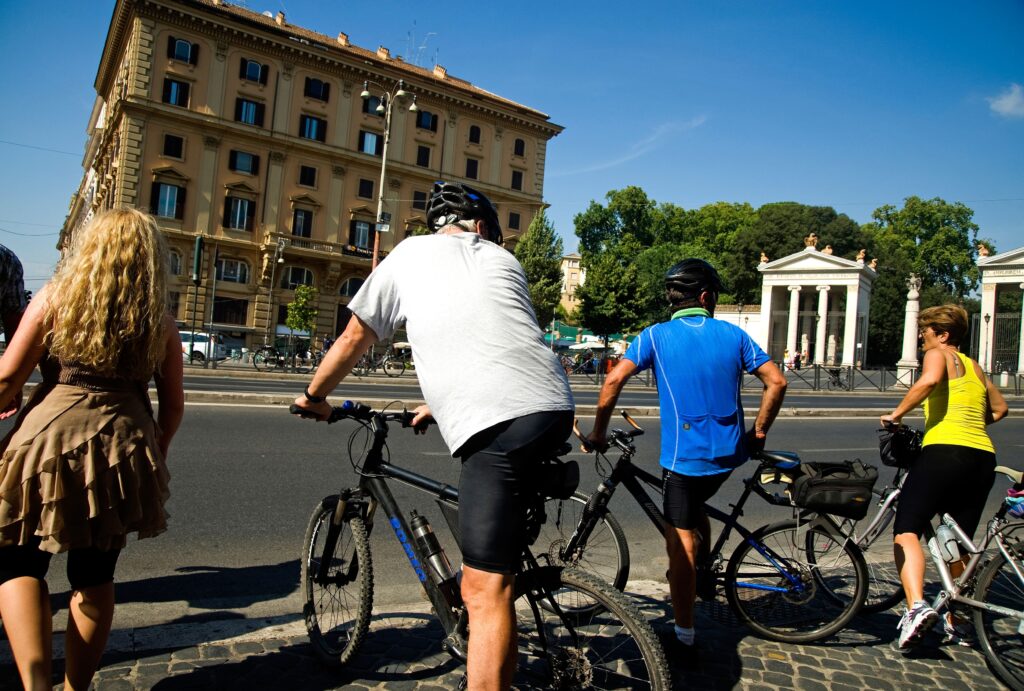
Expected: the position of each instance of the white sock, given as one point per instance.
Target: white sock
(685, 636)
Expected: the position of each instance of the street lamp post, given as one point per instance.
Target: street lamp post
(987, 360)
(278, 259)
(387, 99)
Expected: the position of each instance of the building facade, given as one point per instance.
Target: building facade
(255, 135)
(573, 276)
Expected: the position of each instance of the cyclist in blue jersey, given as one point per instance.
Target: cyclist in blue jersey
(698, 365)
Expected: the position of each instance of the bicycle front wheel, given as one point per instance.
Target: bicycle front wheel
(394, 367)
(263, 359)
(604, 552)
(781, 593)
(612, 647)
(999, 634)
(337, 581)
(302, 363)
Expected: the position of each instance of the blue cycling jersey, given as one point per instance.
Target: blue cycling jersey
(698, 365)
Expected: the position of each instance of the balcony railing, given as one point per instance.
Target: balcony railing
(331, 248)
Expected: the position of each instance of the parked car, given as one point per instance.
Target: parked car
(202, 348)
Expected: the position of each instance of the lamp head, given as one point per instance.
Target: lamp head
(366, 91)
(401, 93)
(413, 107)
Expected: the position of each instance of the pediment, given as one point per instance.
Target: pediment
(304, 200)
(362, 210)
(169, 173)
(811, 260)
(416, 221)
(240, 187)
(1014, 257)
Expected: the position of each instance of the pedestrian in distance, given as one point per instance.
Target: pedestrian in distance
(499, 395)
(12, 306)
(85, 463)
(956, 467)
(698, 363)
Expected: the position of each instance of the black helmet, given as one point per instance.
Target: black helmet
(692, 277)
(453, 201)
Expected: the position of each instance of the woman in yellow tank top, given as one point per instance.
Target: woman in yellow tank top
(956, 468)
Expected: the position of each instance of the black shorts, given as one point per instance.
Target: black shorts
(496, 487)
(685, 495)
(945, 478)
(87, 566)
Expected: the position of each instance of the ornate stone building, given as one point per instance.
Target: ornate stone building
(260, 137)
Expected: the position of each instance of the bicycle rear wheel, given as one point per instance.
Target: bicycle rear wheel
(604, 553)
(263, 359)
(782, 594)
(1000, 635)
(302, 363)
(612, 647)
(338, 603)
(394, 367)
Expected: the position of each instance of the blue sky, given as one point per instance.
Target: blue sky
(853, 105)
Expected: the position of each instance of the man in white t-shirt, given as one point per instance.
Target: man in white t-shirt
(499, 395)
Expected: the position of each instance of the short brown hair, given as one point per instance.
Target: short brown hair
(947, 319)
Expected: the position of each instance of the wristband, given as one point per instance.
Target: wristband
(311, 398)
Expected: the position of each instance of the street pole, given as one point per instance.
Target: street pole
(278, 259)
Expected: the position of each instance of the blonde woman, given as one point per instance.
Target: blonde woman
(956, 468)
(84, 464)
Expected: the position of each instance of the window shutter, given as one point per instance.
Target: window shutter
(259, 115)
(167, 91)
(433, 123)
(179, 206)
(227, 212)
(170, 46)
(184, 100)
(379, 149)
(193, 54)
(306, 88)
(238, 110)
(233, 160)
(154, 197)
(255, 165)
(250, 214)
(327, 92)
(352, 232)
(243, 68)
(321, 130)
(264, 70)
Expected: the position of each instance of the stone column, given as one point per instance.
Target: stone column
(337, 228)
(764, 327)
(205, 190)
(794, 314)
(907, 365)
(850, 326)
(820, 332)
(1020, 352)
(988, 327)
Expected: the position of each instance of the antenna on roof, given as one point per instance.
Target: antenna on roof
(415, 52)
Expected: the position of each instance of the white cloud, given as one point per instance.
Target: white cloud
(1010, 103)
(640, 148)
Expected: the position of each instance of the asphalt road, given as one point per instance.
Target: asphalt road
(245, 479)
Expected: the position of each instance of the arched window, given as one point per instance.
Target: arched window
(175, 263)
(474, 134)
(519, 148)
(232, 270)
(296, 276)
(351, 286)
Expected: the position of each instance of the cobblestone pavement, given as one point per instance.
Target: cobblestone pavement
(403, 652)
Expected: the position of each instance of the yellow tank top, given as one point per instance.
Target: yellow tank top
(954, 412)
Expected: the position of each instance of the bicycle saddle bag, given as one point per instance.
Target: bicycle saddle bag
(557, 478)
(841, 489)
(899, 445)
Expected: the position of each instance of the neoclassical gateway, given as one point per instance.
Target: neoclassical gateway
(816, 304)
(1001, 344)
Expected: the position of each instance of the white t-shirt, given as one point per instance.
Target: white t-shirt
(480, 356)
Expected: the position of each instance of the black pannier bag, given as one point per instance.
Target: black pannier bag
(841, 489)
(899, 445)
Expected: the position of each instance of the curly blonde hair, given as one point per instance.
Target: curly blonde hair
(107, 301)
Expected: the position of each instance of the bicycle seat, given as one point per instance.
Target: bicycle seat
(783, 460)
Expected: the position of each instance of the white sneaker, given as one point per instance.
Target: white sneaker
(915, 623)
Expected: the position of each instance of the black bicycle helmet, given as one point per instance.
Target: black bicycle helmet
(454, 201)
(693, 277)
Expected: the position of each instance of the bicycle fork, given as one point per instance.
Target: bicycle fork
(597, 503)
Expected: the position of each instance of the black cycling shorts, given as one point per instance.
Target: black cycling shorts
(945, 478)
(87, 566)
(496, 487)
(685, 495)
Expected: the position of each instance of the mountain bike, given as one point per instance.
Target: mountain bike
(611, 648)
(393, 364)
(795, 581)
(270, 357)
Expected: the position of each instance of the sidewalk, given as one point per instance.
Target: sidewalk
(403, 652)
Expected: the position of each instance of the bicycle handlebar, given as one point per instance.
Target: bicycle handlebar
(353, 410)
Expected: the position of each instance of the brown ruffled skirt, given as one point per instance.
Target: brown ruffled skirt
(82, 468)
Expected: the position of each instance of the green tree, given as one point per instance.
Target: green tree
(302, 310)
(934, 239)
(608, 296)
(540, 253)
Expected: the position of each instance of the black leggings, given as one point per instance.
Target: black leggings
(945, 478)
(496, 486)
(87, 566)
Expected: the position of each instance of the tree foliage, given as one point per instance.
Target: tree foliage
(539, 251)
(302, 310)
